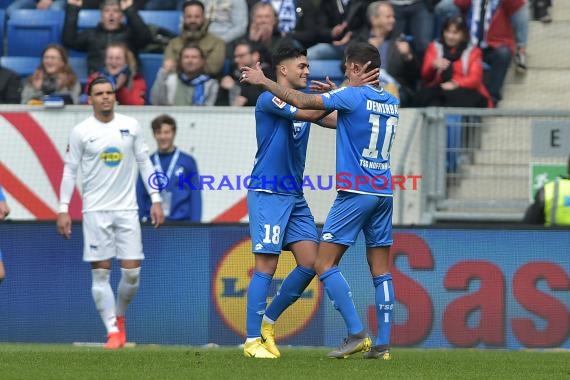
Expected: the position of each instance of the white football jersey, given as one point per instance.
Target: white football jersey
(108, 155)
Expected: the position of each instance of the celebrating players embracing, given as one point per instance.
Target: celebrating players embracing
(367, 118)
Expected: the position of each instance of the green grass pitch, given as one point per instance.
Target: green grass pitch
(33, 361)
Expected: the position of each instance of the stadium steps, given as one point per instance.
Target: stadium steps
(546, 81)
(492, 188)
(515, 171)
(494, 180)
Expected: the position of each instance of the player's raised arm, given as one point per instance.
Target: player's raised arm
(327, 119)
(288, 95)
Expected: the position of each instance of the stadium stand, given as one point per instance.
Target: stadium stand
(88, 18)
(150, 64)
(320, 69)
(23, 66)
(2, 29)
(29, 31)
(79, 65)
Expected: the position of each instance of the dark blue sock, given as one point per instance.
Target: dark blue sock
(339, 293)
(384, 306)
(256, 302)
(291, 289)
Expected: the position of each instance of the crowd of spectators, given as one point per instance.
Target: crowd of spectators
(419, 64)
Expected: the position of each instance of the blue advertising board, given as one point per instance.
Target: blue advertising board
(499, 288)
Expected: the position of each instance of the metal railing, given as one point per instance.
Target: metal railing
(475, 162)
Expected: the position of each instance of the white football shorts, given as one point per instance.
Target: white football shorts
(108, 234)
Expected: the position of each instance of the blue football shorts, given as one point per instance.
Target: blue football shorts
(352, 213)
(277, 220)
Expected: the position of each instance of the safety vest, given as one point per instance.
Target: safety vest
(557, 202)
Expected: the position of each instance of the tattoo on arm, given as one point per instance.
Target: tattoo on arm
(295, 98)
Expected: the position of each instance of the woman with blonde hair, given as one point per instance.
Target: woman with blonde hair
(53, 77)
(122, 71)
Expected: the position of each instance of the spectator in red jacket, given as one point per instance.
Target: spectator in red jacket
(500, 29)
(452, 70)
(121, 69)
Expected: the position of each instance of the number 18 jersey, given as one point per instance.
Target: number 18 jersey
(366, 126)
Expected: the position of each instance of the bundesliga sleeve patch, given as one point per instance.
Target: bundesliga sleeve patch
(278, 102)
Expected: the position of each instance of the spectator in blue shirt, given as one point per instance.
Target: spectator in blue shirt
(181, 198)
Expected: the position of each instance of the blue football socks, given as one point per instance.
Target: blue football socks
(256, 302)
(339, 293)
(291, 289)
(384, 306)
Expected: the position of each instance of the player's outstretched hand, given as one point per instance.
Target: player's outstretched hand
(252, 75)
(156, 214)
(371, 77)
(321, 87)
(64, 224)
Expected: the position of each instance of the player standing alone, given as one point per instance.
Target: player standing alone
(108, 147)
(366, 123)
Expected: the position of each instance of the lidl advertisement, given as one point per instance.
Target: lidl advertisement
(484, 288)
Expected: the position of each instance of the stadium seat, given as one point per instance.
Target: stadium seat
(150, 64)
(166, 19)
(88, 18)
(23, 66)
(320, 69)
(79, 65)
(29, 31)
(2, 29)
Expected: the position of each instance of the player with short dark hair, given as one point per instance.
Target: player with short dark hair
(108, 147)
(367, 117)
(279, 216)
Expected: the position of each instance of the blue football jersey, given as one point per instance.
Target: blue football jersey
(366, 125)
(281, 147)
